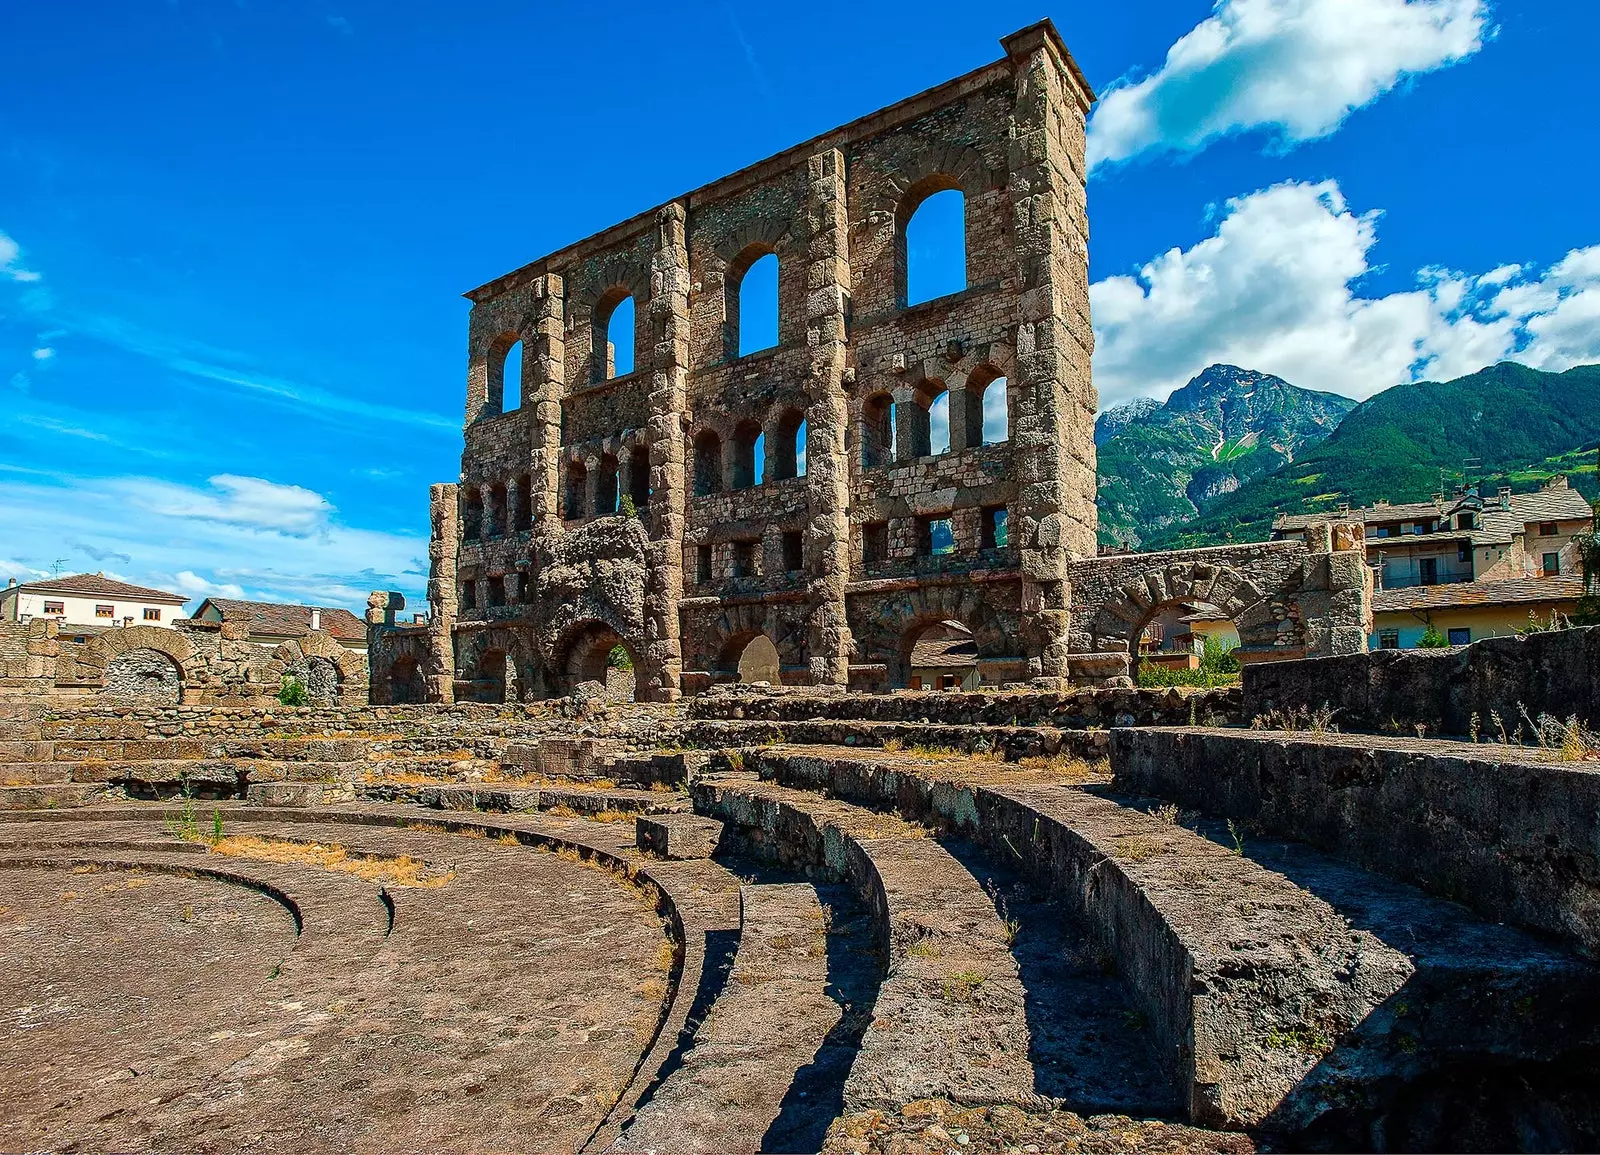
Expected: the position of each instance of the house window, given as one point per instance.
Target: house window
(793, 551)
(1547, 529)
(55, 607)
(152, 614)
(105, 611)
(744, 559)
(1388, 639)
(1463, 552)
(1428, 571)
(1464, 521)
(947, 682)
(702, 564)
(1552, 564)
(1460, 636)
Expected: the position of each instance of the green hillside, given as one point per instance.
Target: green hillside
(1521, 425)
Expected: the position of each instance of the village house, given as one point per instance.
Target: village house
(87, 603)
(1467, 566)
(272, 623)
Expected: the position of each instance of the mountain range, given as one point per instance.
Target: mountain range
(1233, 448)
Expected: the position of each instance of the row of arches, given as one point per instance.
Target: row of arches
(750, 458)
(614, 477)
(496, 509)
(936, 420)
(931, 262)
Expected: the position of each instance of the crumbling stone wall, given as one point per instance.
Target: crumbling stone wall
(143, 675)
(28, 655)
(834, 561)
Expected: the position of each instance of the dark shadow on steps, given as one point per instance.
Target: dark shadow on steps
(720, 947)
(1492, 1043)
(1089, 1048)
(816, 1096)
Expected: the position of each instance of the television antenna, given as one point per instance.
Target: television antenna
(56, 566)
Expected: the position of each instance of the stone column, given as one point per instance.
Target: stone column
(439, 678)
(827, 539)
(545, 349)
(661, 678)
(1053, 440)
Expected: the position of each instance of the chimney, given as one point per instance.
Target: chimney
(316, 619)
(1505, 497)
(11, 583)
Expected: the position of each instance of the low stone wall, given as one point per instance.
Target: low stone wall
(1492, 827)
(1066, 710)
(1557, 672)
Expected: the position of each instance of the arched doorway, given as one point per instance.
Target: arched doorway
(146, 676)
(405, 682)
(942, 656)
(759, 662)
(597, 653)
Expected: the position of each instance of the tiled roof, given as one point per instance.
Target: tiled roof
(279, 620)
(1552, 503)
(944, 646)
(95, 585)
(1517, 591)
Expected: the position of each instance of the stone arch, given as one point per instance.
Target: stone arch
(928, 170)
(404, 682)
(499, 347)
(720, 644)
(895, 623)
(328, 669)
(496, 664)
(968, 379)
(581, 653)
(101, 651)
(1128, 609)
(144, 675)
(609, 283)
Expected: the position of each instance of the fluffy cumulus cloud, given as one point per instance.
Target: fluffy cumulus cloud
(232, 537)
(1276, 289)
(1295, 68)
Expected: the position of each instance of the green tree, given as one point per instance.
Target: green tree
(1432, 639)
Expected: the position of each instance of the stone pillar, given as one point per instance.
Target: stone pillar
(544, 350)
(439, 678)
(661, 678)
(1053, 420)
(827, 539)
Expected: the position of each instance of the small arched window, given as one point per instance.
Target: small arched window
(748, 446)
(615, 333)
(639, 476)
(934, 245)
(995, 409)
(577, 489)
(877, 431)
(471, 514)
(754, 316)
(511, 378)
(939, 423)
(707, 463)
(496, 519)
(789, 451)
(524, 503)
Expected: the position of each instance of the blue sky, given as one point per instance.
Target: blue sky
(233, 235)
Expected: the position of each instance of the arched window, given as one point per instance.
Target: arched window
(577, 487)
(939, 423)
(935, 245)
(753, 314)
(748, 445)
(707, 463)
(988, 409)
(877, 431)
(471, 514)
(639, 476)
(614, 336)
(789, 452)
(496, 521)
(605, 490)
(511, 378)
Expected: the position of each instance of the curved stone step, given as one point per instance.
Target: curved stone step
(776, 1042)
(1288, 992)
(52, 796)
(954, 1016)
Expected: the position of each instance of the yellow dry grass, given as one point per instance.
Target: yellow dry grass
(402, 870)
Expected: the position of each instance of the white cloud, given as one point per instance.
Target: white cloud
(44, 353)
(20, 570)
(1296, 68)
(234, 536)
(10, 258)
(1273, 290)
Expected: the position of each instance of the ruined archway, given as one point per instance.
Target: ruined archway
(592, 651)
(887, 628)
(405, 682)
(144, 675)
(1129, 608)
(942, 656)
(493, 666)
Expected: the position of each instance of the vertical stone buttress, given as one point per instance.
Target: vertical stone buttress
(669, 399)
(827, 540)
(1056, 401)
(545, 343)
(439, 678)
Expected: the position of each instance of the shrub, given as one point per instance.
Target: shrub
(1432, 639)
(292, 692)
(618, 658)
(626, 507)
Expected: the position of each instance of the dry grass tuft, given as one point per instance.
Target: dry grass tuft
(398, 871)
(1067, 768)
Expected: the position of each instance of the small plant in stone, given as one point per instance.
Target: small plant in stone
(216, 826)
(1473, 726)
(1238, 838)
(1499, 725)
(292, 691)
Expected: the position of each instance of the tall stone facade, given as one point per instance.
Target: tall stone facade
(607, 520)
